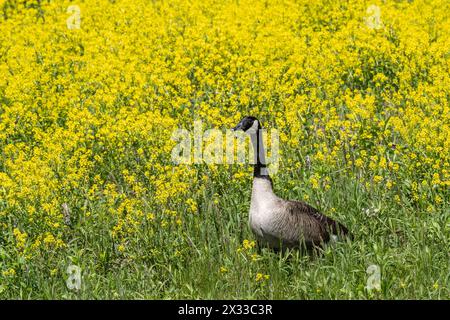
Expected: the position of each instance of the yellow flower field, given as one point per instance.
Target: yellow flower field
(89, 99)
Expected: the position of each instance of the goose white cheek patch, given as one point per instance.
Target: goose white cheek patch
(253, 129)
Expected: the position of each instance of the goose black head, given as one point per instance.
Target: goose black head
(248, 125)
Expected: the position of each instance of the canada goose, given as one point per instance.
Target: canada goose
(279, 223)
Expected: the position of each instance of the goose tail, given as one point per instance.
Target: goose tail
(338, 229)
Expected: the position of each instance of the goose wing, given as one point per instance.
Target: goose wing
(315, 226)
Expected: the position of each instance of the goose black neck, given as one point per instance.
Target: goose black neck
(260, 165)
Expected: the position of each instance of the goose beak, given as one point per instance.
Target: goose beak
(238, 127)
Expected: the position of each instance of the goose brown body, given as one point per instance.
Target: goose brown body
(284, 223)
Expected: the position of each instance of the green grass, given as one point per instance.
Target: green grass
(184, 262)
